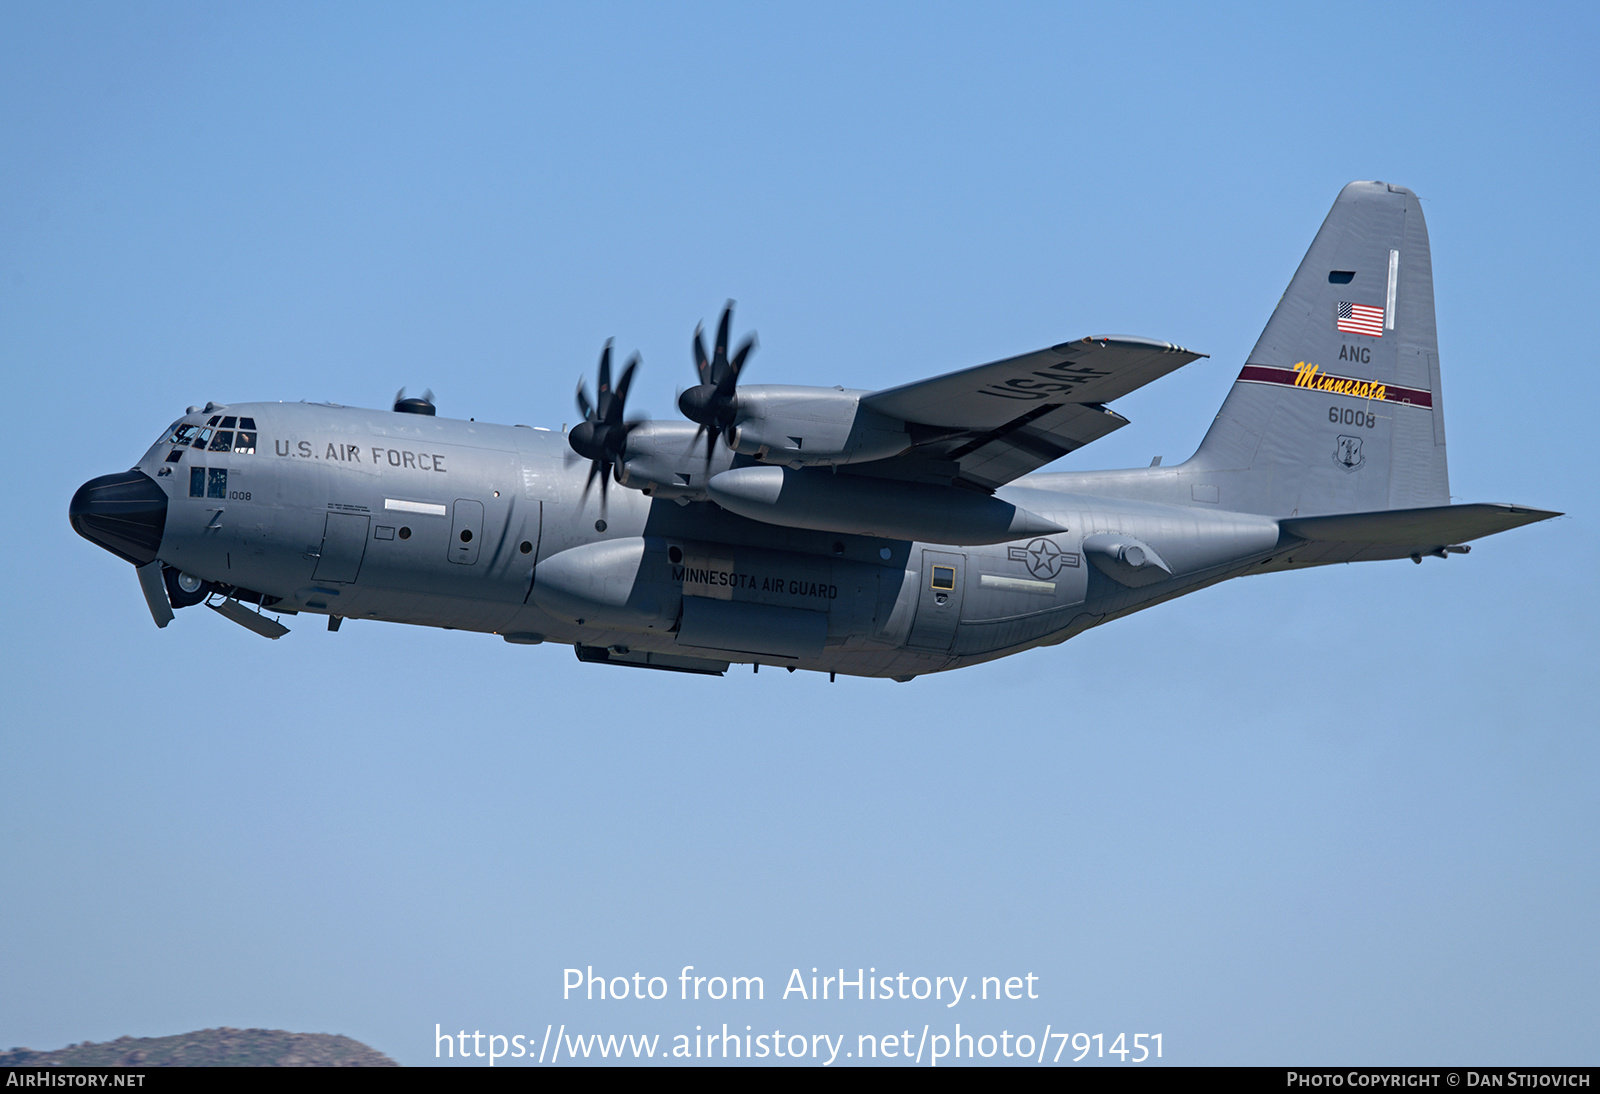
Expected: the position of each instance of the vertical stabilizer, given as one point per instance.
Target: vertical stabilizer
(1338, 408)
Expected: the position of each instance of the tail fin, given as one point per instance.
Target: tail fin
(1338, 408)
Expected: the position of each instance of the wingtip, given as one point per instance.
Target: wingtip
(1536, 514)
(1128, 340)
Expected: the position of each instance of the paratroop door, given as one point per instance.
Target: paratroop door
(944, 576)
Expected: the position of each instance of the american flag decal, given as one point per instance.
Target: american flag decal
(1359, 319)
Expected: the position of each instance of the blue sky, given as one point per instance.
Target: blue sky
(1337, 816)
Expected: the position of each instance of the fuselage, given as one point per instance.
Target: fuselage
(406, 518)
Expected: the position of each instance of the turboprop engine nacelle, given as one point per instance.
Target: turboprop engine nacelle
(662, 460)
(814, 426)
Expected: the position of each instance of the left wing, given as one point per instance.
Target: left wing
(987, 425)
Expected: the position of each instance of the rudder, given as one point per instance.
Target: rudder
(1338, 408)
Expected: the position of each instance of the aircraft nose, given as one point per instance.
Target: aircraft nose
(125, 513)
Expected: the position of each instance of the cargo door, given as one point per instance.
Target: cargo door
(344, 544)
(944, 578)
(466, 531)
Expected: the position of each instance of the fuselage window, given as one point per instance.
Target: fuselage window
(944, 577)
(175, 455)
(223, 441)
(217, 482)
(245, 442)
(197, 482)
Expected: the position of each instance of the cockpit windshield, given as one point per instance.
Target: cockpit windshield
(220, 434)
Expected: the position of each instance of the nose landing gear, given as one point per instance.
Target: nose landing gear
(185, 590)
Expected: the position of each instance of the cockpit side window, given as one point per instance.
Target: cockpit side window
(228, 422)
(244, 442)
(223, 441)
(202, 438)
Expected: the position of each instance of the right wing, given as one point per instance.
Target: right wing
(984, 426)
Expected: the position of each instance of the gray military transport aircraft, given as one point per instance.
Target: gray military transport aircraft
(875, 533)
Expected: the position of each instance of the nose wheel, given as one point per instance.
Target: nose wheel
(184, 590)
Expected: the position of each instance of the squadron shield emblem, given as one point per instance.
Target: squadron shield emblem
(1348, 454)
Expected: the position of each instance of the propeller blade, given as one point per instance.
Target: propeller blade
(604, 394)
(711, 443)
(602, 436)
(731, 380)
(719, 358)
(711, 403)
(702, 366)
(622, 386)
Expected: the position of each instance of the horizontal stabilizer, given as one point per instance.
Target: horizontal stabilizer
(1435, 524)
(1402, 533)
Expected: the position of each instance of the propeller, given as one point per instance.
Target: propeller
(414, 405)
(602, 436)
(713, 403)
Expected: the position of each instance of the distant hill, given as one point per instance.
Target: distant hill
(221, 1047)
